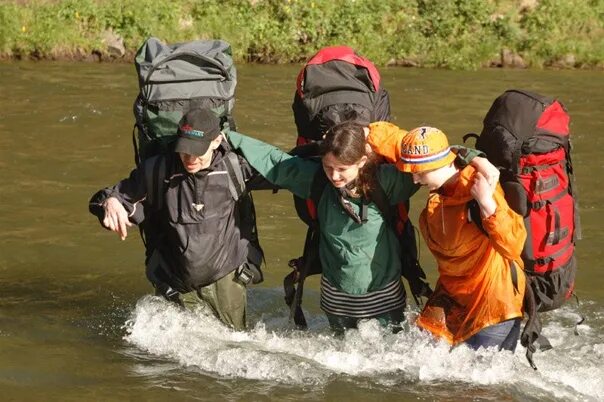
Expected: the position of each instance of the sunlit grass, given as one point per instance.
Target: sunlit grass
(460, 34)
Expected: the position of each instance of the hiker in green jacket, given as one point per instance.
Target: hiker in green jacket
(360, 255)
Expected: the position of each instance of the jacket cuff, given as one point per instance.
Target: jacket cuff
(465, 155)
(490, 223)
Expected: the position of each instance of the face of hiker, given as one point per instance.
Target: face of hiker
(195, 163)
(338, 173)
(435, 178)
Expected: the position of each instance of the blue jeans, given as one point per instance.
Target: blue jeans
(503, 335)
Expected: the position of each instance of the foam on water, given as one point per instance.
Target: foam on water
(571, 371)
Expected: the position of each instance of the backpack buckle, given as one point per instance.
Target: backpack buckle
(244, 274)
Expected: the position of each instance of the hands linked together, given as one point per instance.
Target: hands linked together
(489, 171)
(483, 187)
(485, 183)
(116, 217)
(482, 190)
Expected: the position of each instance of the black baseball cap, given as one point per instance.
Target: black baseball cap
(196, 130)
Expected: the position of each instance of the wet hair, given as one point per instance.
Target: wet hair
(346, 142)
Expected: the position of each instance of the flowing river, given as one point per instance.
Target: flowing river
(77, 321)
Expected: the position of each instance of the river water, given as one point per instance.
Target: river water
(76, 318)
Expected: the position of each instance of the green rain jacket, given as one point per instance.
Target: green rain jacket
(356, 258)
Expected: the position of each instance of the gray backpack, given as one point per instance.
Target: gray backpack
(174, 79)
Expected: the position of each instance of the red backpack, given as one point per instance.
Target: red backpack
(526, 136)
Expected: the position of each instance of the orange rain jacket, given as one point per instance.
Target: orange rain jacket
(475, 287)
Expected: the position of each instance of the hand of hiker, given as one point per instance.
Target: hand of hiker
(483, 193)
(116, 217)
(488, 170)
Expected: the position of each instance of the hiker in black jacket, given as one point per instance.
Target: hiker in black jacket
(196, 251)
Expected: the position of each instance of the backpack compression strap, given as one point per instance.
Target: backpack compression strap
(302, 267)
(236, 182)
(155, 175)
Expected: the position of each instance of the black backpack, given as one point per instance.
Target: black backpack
(174, 79)
(526, 135)
(335, 83)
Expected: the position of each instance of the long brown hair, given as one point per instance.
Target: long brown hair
(346, 141)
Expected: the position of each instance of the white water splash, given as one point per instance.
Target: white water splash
(571, 371)
(71, 118)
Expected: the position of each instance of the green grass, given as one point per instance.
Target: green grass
(457, 34)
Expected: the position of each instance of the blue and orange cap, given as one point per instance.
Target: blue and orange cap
(423, 149)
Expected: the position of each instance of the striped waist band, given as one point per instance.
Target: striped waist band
(337, 302)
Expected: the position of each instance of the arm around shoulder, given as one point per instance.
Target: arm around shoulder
(119, 206)
(397, 185)
(278, 167)
(385, 140)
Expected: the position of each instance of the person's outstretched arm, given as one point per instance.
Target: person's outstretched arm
(385, 140)
(278, 167)
(118, 207)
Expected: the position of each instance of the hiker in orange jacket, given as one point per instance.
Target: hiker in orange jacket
(479, 292)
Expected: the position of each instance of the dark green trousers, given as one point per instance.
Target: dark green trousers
(226, 297)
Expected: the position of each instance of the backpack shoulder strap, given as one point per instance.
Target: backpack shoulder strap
(411, 269)
(307, 264)
(317, 188)
(379, 197)
(135, 144)
(236, 182)
(155, 175)
(474, 215)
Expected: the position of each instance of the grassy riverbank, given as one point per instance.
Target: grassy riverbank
(460, 34)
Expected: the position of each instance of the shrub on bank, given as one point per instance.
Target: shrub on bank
(433, 33)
